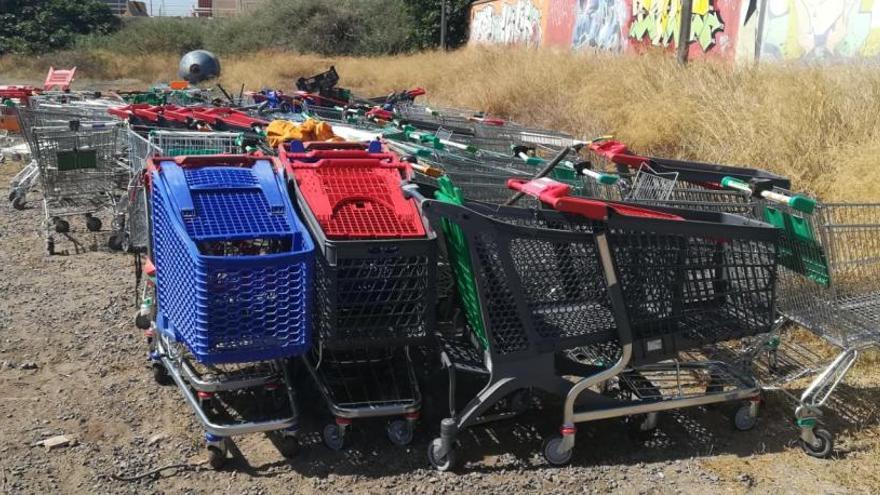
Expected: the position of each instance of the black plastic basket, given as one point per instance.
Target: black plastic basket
(374, 292)
(703, 278)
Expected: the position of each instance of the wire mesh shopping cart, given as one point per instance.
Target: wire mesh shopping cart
(375, 282)
(233, 269)
(79, 174)
(594, 275)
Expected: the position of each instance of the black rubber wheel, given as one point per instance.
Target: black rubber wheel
(19, 202)
(216, 457)
(160, 374)
(825, 445)
(634, 428)
(114, 242)
(143, 322)
(12, 195)
(742, 418)
(287, 445)
(400, 432)
(333, 437)
(552, 454)
(61, 226)
(93, 224)
(444, 463)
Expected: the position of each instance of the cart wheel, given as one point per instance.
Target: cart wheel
(93, 223)
(143, 322)
(216, 457)
(635, 430)
(114, 242)
(824, 444)
(19, 202)
(445, 463)
(552, 451)
(287, 445)
(160, 374)
(400, 432)
(773, 360)
(126, 243)
(61, 226)
(12, 194)
(334, 438)
(743, 419)
(50, 245)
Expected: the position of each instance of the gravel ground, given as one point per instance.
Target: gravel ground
(72, 363)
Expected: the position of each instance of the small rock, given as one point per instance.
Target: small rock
(158, 437)
(56, 442)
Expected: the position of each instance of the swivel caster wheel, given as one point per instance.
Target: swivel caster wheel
(400, 432)
(823, 445)
(93, 223)
(143, 322)
(61, 226)
(160, 375)
(439, 462)
(19, 202)
(334, 436)
(745, 417)
(287, 444)
(553, 452)
(114, 242)
(218, 450)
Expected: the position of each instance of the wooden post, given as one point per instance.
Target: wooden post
(443, 24)
(684, 32)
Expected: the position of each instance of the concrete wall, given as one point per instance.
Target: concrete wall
(738, 31)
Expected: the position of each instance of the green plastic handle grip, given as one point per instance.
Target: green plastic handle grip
(734, 183)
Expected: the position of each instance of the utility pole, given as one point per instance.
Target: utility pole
(443, 25)
(684, 32)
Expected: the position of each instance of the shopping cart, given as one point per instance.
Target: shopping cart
(79, 175)
(42, 114)
(375, 282)
(829, 264)
(679, 183)
(233, 269)
(618, 290)
(130, 219)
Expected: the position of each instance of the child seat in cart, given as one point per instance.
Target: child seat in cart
(627, 285)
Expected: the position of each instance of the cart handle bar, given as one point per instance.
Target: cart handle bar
(556, 194)
(797, 202)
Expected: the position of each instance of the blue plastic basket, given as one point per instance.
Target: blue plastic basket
(234, 264)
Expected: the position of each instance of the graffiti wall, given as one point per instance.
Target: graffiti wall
(817, 29)
(730, 30)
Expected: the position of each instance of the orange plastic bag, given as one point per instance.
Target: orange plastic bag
(280, 131)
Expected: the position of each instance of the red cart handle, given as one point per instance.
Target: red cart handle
(556, 194)
(618, 153)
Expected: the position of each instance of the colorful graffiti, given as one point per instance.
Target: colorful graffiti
(599, 24)
(659, 22)
(738, 31)
(506, 23)
(821, 29)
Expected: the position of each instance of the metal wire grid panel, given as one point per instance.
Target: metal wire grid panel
(174, 143)
(830, 270)
(366, 378)
(77, 168)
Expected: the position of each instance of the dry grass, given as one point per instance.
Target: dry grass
(818, 125)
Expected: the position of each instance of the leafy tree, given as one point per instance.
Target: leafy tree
(45, 25)
(426, 31)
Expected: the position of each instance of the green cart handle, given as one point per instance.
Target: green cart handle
(797, 202)
(601, 177)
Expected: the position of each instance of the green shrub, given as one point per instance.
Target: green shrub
(40, 26)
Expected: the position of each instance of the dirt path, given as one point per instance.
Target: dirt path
(72, 363)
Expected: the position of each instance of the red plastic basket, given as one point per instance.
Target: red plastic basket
(357, 198)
